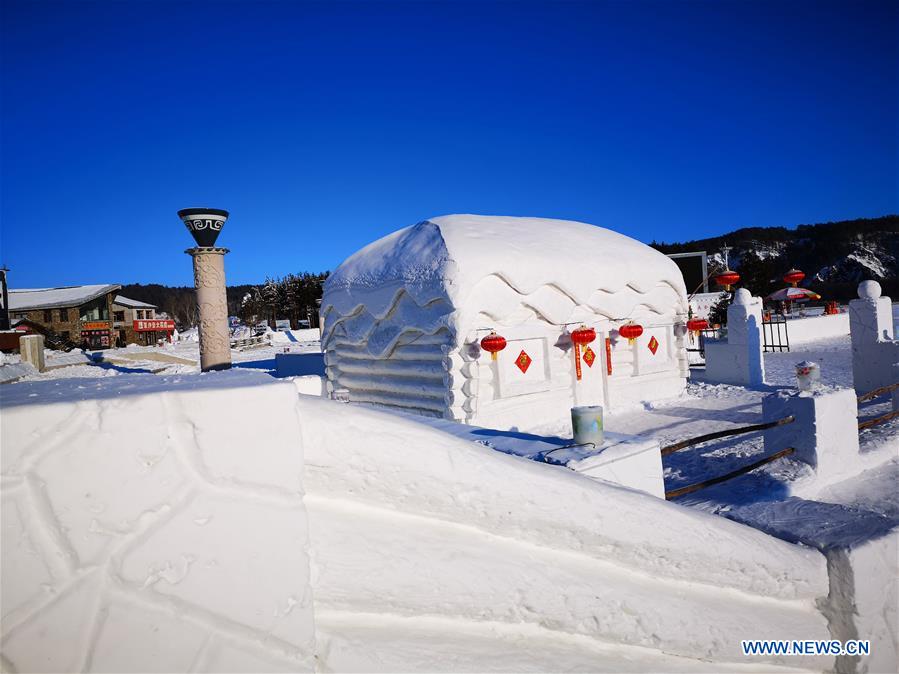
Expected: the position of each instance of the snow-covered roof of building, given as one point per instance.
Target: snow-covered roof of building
(132, 304)
(447, 257)
(64, 296)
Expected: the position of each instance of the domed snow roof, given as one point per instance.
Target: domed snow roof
(447, 256)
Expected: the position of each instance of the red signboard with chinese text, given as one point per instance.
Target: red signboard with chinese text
(152, 325)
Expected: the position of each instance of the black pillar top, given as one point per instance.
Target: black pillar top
(204, 224)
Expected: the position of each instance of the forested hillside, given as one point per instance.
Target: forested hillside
(292, 297)
(835, 256)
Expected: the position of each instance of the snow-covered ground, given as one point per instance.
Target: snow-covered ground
(159, 526)
(181, 357)
(703, 408)
(430, 552)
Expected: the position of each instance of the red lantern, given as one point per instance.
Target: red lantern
(583, 335)
(694, 325)
(493, 343)
(793, 277)
(727, 278)
(630, 331)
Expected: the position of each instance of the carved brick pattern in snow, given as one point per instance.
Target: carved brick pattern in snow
(149, 546)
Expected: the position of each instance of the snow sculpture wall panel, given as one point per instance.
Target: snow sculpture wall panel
(459, 531)
(151, 530)
(403, 318)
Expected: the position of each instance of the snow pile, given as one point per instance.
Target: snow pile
(189, 335)
(157, 529)
(286, 337)
(402, 318)
(185, 545)
(451, 528)
(13, 371)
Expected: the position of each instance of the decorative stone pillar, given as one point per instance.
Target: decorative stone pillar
(209, 279)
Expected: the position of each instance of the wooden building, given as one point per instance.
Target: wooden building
(91, 316)
(82, 314)
(137, 322)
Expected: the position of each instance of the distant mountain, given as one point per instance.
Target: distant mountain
(835, 256)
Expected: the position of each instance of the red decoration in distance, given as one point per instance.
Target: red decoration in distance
(727, 278)
(697, 324)
(653, 345)
(793, 277)
(493, 343)
(583, 335)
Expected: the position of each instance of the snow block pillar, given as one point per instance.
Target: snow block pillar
(31, 349)
(875, 351)
(825, 432)
(738, 360)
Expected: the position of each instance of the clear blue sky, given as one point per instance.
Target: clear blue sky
(322, 126)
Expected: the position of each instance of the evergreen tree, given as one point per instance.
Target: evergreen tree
(270, 300)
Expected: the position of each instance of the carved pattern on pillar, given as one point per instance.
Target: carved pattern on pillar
(207, 274)
(213, 316)
(209, 278)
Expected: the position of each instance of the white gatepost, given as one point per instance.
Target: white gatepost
(824, 432)
(31, 351)
(738, 359)
(875, 351)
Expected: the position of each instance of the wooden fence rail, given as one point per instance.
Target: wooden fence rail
(874, 421)
(876, 393)
(674, 493)
(699, 439)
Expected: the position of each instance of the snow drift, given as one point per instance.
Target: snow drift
(148, 526)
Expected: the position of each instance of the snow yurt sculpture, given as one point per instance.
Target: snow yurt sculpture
(572, 314)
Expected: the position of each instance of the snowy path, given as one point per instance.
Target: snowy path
(363, 642)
